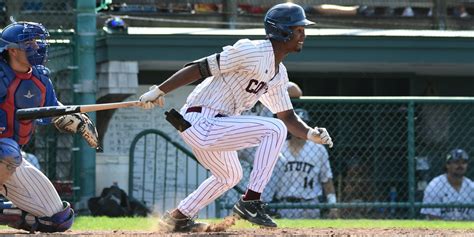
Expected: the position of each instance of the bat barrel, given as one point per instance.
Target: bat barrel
(45, 112)
(54, 111)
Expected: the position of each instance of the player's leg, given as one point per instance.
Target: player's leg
(234, 133)
(36, 198)
(226, 173)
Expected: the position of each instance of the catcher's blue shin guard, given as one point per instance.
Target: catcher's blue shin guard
(22, 220)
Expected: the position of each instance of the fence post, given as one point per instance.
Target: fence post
(411, 156)
(230, 11)
(84, 93)
(219, 207)
(439, 14)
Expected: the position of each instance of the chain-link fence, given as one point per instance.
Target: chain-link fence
(162, 173)
(52, 149)
(54, 14)
(386, 153)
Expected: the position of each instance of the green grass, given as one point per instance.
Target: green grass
(149, 224)
(104, 223)
(107, 223)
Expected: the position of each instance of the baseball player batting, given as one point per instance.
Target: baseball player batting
(26, 84)
(212, 124)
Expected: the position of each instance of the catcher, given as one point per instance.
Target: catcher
(26, 84)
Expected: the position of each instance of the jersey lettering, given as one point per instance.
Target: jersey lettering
(308, 183)
(298, 166)
(463, 210)
(255, 86)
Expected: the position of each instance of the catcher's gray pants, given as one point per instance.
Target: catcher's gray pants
(215, 141)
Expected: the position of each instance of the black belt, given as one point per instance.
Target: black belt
(198, 109)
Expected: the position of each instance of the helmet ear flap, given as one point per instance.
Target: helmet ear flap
(285, 32)
(278, 31)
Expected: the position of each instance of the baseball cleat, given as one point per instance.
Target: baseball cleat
(171, 224)
(253, 211)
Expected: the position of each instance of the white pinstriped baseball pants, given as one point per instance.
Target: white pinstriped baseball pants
(31, 191)
(215, 142)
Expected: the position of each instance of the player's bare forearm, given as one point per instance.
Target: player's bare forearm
(295, 125)
(329, 187)
(181, 78)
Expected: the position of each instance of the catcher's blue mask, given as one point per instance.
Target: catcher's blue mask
(28, 36)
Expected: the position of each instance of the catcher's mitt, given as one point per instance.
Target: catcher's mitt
(78, 123)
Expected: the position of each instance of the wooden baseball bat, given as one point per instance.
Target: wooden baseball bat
(54, 111)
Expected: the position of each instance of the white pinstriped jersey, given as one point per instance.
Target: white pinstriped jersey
(246, 75)
(440, 191)
(301, 175)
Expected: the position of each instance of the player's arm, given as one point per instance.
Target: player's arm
(295, 125)
(430, 195)
(155, 96)
(330, 192)
(201, 68)
(325, 176)
(299, 128)
(329, 189)
(184, 76)
(50, 100)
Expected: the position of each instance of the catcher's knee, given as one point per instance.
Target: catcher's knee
(61, 221)
(22, 220)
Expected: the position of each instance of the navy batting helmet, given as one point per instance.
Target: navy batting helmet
(457, 154)
(21, 34)
(281, 17)
(10, 152)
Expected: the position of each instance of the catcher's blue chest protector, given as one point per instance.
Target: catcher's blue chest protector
(19, 91)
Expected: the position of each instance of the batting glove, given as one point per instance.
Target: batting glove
(320, 135)
(153, 97)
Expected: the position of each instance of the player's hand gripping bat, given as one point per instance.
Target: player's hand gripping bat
(54, 111)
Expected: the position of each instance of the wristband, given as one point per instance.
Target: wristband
(331, 198)
(310, 133)
(157, 90)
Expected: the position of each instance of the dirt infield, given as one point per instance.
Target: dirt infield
(225, 228)
(264, 232)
